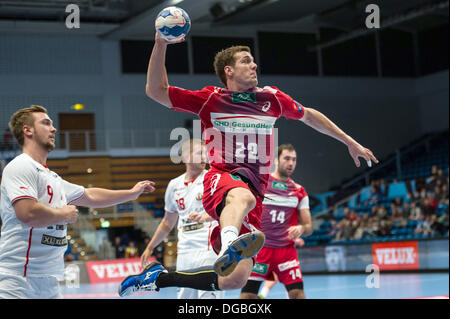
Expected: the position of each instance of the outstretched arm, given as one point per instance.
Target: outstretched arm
(157, 87)
(100, 197)
(321, 123)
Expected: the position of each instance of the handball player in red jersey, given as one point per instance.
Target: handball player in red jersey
(237, 126)
(285, 217)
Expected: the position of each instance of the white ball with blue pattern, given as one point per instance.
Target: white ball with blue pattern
(172, 24)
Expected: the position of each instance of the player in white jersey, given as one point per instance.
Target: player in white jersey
(36, 205)
(183, 202)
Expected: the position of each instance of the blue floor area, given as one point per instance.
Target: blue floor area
(391, 286)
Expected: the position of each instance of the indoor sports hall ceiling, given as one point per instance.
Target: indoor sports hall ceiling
(118, 19)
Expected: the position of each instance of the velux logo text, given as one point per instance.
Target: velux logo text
(116, 270)
(396, 256)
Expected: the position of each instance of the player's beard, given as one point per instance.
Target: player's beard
(47, 145)
(284, 172)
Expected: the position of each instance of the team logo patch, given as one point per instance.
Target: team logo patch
(53, 241)
(244, 97)
(279, 185)
(260, 268)
(288, 265)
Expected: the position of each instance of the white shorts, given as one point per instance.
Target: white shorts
(17, 287)
(195, 259)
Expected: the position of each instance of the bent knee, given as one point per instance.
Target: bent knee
(241, 196)
(233, 282)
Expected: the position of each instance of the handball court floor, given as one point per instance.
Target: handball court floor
(342, 286)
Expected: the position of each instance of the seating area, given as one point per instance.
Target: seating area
(388, 209)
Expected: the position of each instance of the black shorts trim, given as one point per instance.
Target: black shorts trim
(295, 285)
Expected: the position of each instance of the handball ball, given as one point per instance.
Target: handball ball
(172, 24)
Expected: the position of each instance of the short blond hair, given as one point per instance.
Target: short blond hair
(226, 58)
(24, 117)
(188, 147)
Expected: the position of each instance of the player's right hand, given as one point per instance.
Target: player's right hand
(145, 256)
(70, 212)
(161, 40)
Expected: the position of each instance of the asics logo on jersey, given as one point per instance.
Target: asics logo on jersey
(266, 106)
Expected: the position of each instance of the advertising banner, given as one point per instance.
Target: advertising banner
(396, 255)
(113, 270)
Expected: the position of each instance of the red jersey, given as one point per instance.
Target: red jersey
(237, 127)
(280, 205)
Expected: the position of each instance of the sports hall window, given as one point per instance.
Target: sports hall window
(287, 53)
(136, 54)
(205, 48)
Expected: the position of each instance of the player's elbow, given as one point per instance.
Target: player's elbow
(29, 218)
(158, 94)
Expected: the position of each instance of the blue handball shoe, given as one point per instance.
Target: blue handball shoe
(145, 281)
(245, 246)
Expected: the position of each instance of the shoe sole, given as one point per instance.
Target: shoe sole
(248, 245)
(153, 264)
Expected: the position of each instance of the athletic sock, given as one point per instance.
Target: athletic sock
(264, 291)
(227, 235)
(203, 278)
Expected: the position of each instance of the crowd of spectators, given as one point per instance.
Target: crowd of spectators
(426, 207)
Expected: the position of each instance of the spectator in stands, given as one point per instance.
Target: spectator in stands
(106, 250)
(427, 208)
(423, 194)
(437, 228)
(423, 226)
(353, 216)
(398, 215)
(363, 229)
(375, 196)
(444, 196)
(143, 244)
(416, 198)
(374, 227)
(345, 230)
(443, 220)
(385, 228)
(131, 251)
(333, 228)
(441, 177)
(414, 211)
(438, 194)
(382, 212)
(119, 247)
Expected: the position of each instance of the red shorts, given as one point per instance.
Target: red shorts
(281, 261)
(216, 185)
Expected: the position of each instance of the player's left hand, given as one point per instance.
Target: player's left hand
(144, 187)
(195, 217)
(295, 231)
(356, 151)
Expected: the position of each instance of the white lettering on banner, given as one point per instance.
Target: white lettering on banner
(243, 123)
(116, 270)
(396, 256)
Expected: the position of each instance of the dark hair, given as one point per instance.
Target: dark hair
(283, 147)
(226, 57)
